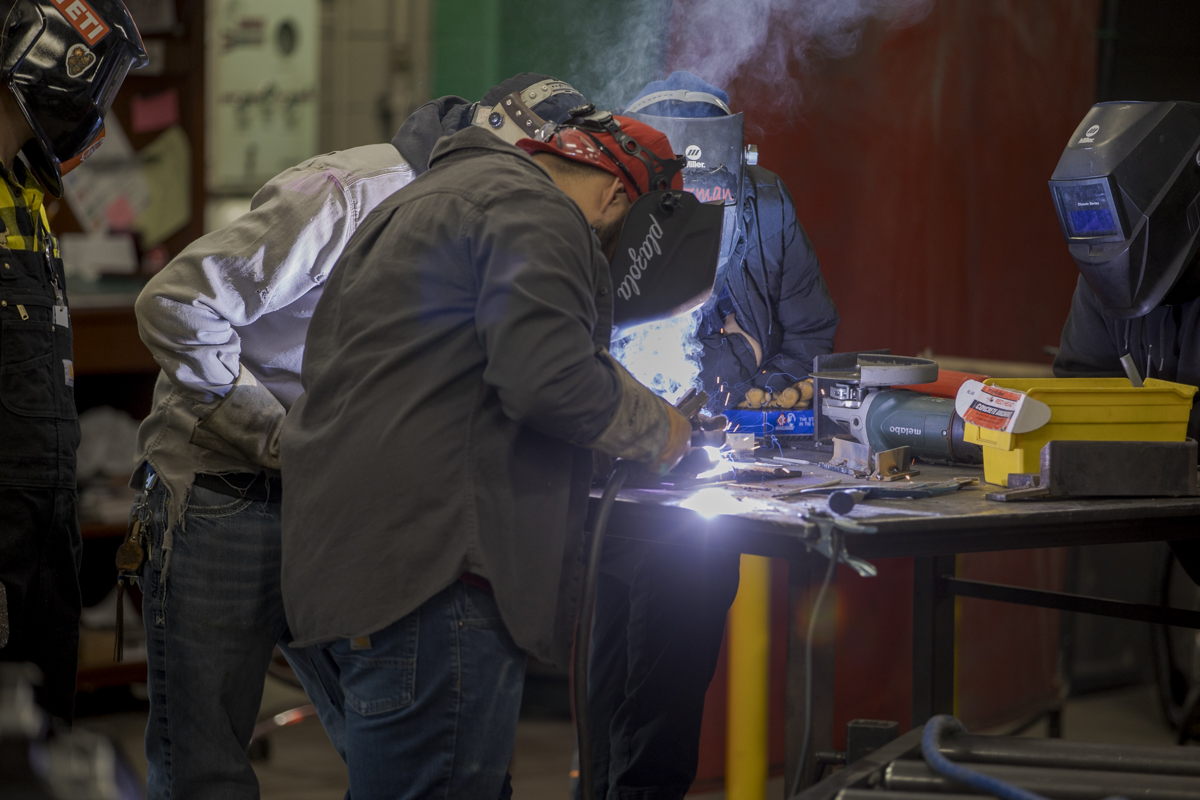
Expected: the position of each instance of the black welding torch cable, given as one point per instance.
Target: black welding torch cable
(583, 631)
(835, 549)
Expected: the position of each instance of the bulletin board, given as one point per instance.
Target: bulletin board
(147, 180)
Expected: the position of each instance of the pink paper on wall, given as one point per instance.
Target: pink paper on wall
(155, 112)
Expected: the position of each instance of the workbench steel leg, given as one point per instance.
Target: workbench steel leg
(804, 581)
(933, 639)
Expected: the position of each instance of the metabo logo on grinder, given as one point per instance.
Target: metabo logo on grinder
(84, 19)
(640, 259)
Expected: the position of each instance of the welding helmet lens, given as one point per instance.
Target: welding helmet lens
(666, 258)
(1127, 193)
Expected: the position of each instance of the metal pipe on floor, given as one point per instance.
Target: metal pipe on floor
(1061, 784)
(876, 794)
(1017, 751)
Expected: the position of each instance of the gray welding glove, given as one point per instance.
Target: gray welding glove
(245, 424)
(645, 428)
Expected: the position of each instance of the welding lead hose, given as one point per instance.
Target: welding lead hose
(835, 551)
(931, 749)
(583, 630)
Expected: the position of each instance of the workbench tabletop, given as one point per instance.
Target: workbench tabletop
(753, 518)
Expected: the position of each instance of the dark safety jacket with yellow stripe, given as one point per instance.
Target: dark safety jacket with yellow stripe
(39, 428)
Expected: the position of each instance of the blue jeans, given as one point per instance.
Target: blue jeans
(213, 614)
(656, 635)
(431, 701)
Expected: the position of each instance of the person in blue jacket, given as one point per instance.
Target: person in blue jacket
(660, 611)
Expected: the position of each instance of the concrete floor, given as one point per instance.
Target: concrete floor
(304, 766)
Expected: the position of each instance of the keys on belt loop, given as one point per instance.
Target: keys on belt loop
(131, 555)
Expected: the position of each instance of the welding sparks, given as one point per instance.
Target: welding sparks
(664, 356)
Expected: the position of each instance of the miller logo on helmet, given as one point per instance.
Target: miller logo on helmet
(692, 152)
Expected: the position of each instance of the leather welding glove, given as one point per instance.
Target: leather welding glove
(798, 395)
(245, 424)
(645, 428)
(708, 431)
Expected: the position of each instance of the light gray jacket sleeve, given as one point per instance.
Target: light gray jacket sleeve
(298, 225)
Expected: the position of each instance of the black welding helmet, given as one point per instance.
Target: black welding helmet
(1127, 191)
(665, 259)
(64, 61)
(700, 125)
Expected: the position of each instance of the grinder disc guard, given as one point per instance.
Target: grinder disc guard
(666, 258)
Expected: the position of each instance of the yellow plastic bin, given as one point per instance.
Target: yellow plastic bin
(1085, 409)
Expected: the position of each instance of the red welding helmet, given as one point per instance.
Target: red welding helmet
(666, 256)
(630, 150)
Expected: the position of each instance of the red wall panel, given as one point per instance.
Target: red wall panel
(919, 169)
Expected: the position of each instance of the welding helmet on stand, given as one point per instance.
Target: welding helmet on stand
(699, 123)
(665, 260)
(1127, 192)
(64, 62)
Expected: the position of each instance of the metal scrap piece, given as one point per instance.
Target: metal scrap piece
(849, 458)
(894, 465)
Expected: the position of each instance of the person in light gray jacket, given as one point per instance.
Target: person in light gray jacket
(227, 320)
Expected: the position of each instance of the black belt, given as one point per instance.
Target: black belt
(258, 486)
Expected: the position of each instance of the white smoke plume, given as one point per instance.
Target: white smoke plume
(663, 355)
(621, 45)
(763, 40)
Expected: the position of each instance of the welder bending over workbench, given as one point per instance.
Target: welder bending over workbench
(227, 320)
(454, 373)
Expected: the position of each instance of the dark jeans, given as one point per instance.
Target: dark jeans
(660, 619)
(431, 701)
(213, 614)
(40, 549)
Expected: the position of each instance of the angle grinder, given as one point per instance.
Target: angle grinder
(862, 400)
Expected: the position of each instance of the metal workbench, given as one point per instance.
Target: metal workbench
(748, 518)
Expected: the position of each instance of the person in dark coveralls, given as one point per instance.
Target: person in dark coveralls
(438, 466)
(660, 610)
(61, 69)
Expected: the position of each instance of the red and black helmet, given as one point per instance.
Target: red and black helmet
(64, 61)
(630, 150)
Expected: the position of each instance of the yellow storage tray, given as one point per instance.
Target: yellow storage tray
(1085, 409)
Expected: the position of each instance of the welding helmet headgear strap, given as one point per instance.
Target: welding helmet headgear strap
(715, 168)
(666, 258)
(661, 172)
(513, 117)
(64, 67)
(678, 95)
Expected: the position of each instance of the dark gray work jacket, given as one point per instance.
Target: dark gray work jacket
(451, 372)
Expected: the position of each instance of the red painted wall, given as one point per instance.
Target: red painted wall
(919, 169)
